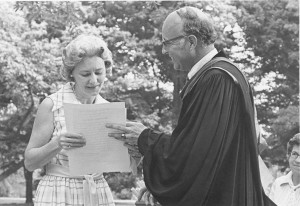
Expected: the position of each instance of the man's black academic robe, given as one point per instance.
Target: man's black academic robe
(211, 158)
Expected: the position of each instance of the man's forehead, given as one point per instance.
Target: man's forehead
(172, 26)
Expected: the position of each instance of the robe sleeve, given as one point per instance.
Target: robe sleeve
(183, 165)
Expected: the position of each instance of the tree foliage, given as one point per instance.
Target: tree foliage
(27, 71)
(262, 37)
(272, 33)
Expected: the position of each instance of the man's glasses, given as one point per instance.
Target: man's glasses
(170, 41)
(294, 155)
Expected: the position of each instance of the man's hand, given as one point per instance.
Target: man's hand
(128, 134)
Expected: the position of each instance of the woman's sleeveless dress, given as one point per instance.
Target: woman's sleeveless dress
(57, 187)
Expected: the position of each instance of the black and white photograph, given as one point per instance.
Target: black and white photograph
(149, 103)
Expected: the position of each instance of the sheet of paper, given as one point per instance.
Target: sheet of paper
(101, 153)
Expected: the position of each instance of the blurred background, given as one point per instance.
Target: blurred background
(261, 36)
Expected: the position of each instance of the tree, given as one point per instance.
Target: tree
(285, 126)
(271, 31)
(32, 38)
(26, 68)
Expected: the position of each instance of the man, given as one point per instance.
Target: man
(285, 190)
(211, 158)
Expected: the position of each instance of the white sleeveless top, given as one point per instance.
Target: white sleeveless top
(58, 187)
(64, 95)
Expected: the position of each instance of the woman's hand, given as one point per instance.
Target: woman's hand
(42, 146)
(68, 140)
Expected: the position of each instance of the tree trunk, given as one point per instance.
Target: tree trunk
(13, 167)
(28, 178)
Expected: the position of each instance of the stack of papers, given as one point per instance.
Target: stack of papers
(101, 153)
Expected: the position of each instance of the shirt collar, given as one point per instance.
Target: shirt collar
(201, 63)
(287, 179)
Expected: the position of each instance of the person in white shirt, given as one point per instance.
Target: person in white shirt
(285, 190)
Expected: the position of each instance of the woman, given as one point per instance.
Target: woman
(86, 60)
(285, 190)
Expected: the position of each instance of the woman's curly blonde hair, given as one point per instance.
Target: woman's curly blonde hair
(84, 46)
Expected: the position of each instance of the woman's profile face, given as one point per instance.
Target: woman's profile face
(294, 160)
(89, 76)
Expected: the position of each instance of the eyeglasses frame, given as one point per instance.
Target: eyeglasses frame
(169, 41)
(294, 155)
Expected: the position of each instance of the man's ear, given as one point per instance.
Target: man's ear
(193, 41)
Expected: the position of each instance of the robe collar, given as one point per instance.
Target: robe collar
(201, 63)
(196, 68)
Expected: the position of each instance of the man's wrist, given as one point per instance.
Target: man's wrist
(142, 141)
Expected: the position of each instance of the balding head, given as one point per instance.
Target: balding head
(188, 35)
(173, 25)
(191, 20)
